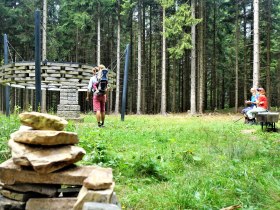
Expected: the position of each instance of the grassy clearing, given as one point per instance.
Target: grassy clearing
(183, 162)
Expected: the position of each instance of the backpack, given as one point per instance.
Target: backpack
(102, 81)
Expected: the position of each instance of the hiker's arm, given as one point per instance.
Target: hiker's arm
(262, 100)
(87, 98)
(89, 88)
(95, 87)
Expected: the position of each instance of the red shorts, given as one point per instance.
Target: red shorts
(99, 103)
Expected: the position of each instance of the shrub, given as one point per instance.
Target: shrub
(149, 167)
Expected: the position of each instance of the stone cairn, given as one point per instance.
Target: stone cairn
(41, 175)
(69, 107)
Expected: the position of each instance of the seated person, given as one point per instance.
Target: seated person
(251, 103)
(261, 104)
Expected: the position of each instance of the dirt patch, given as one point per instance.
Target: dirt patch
(248, 131)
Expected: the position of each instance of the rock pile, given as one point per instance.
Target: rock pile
(41, 174)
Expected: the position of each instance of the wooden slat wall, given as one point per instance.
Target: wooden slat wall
(53, 74)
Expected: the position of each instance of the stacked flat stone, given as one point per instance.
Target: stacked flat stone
(69, 107)
(41, 173)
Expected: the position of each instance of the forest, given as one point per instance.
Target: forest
(185, 55)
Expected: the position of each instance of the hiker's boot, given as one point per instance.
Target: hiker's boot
(246, 120)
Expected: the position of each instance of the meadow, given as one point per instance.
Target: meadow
(179, 161)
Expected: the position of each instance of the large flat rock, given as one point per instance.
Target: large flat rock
(6, 204)
(43, 137)
(11, 173)
(45, 159)
(100, 206)
(24, 128)
(99, 179)
(50, 203)
(99, 196)
(44, 189)
(42, 121)
(19, 196)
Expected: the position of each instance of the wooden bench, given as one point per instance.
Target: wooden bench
(268, 119)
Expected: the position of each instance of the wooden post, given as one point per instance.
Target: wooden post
(7, 87)
(44, 52)
(125, 81)
(37, 61)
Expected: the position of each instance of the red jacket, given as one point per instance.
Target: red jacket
(262, 101)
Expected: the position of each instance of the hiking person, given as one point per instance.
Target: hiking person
(261, 104)
(99, 94)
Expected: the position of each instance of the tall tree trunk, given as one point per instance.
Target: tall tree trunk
(245, 90)
(174, 75)
(223, 93)
(98, 34)
(26, 106)
(44, 52)
(109, 42)
(205, 56)
(111, 61)
(185, 79)
(201, 57)
(180, 78)
(150, 61)
(155, 83)
(278, 84)
(268, 31)
(131, 90)
(193, 63)
(251, 45)
(163, 76)
(236, 56)
(44, 31)
(139, 79)
(32, 99)
(167, 83)
(118, 59)
(135, 75)
(12, 99)
(187, 71)
(144, 68)
(77, 45)
(256, 57)
(213, 71)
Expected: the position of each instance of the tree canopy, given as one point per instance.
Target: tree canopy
(72, 33)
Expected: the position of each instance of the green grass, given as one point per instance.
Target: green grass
(183, 162)
(8, 125)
